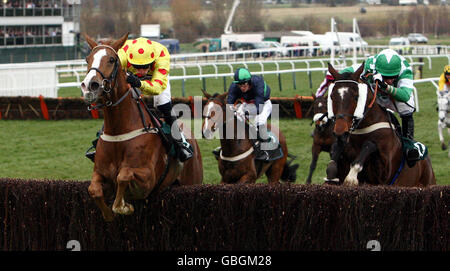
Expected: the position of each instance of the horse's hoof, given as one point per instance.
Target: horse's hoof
(443, 146)
(126, 209)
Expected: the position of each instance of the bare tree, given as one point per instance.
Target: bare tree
(187, 19)
(249, 16)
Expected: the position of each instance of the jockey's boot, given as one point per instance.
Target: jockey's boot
(412, 155)
(262, 137)
(182, 147)
(90, 153)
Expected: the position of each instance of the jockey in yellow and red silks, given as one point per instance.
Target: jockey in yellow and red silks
(148, 64)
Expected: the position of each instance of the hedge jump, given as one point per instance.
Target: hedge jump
(47, 214)
(75, 108)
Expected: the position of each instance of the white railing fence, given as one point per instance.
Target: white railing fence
(48, 77)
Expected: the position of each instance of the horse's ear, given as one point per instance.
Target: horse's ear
(333, 71)
(206, 94)
(120, 42)
(358, 72)
(90, 41)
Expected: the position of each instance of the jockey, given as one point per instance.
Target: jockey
(255, 94)
(444, 80)
(395, 77)
(368, 71)
(148, 64)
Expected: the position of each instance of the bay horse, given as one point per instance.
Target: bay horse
(443, 98)
(236, 161)
(371, 150)
(323, 132)
(131, 156)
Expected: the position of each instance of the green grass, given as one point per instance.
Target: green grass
(55, 149)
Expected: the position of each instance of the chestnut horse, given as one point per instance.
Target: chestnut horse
(323, 132)
(131, 156)
(237, 162)
(371, 150)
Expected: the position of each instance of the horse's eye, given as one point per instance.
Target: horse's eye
(111, 60)
(86, 60)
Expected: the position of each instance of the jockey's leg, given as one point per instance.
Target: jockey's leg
(183, 149)
(406, 110)
(163, 102)
(261, 129)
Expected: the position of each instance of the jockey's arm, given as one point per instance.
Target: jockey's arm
(403, 90)
(159, 71)
(232, 94)
(442, 82)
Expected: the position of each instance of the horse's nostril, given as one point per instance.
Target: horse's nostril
(93, 86)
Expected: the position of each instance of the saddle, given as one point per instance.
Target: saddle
(271, 149)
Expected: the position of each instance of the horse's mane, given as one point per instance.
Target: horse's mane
(215, 95)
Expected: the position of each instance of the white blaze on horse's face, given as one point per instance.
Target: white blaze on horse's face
(212, 113)
(342, 91)
(95, 64)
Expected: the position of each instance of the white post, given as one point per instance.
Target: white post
(354, 43)
(332, 46)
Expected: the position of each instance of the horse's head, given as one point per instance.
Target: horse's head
(213, 112)
(346, 100)
(103, 67)
(443, 104)
(320, 117)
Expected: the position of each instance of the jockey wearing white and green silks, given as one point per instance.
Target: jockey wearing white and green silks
(395, 78)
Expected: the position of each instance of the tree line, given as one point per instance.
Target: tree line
(112, 18)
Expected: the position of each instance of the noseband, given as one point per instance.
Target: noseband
(107, 82)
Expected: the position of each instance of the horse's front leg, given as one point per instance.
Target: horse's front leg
(337, 149)
(356, 167)
(96, 192)
(441, 126)
(247, 178)
(316, 149)
(126, 175)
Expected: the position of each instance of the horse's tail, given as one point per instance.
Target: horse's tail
(290, 172)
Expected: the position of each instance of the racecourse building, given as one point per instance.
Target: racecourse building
(39, 30)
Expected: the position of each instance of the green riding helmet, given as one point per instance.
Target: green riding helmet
(242, 75)
(388, 63)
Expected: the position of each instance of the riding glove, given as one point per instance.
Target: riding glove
(133, 80)
(378, 78)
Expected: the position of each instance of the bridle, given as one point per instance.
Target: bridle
(356, 121)
(108, 82)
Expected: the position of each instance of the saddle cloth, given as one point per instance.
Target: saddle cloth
(272, 147)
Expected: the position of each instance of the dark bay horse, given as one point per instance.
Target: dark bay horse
(372, 151)
(323, 132)
(237, 162)
(131, 157)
